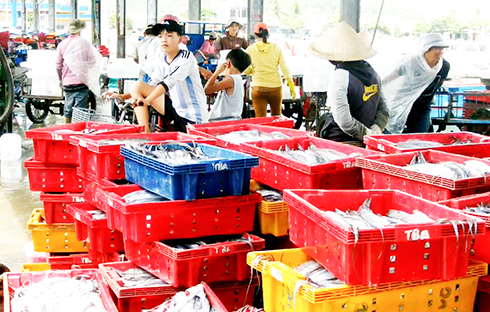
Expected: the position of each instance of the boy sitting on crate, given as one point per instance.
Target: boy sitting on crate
(229, 101)
(179, 94)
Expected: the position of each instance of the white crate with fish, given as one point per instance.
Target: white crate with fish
(477, 205)
(188, 170)
(65, 290)
(232, 136)
(307, 163)
(433, 175)
(462, 143)
(293, 281)
(378, 236)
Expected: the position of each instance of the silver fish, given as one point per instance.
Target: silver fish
(137, 277)
(415, 144)
(142, 196)
(238, 137)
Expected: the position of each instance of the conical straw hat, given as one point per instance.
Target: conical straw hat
(366, 37)
(341, 44)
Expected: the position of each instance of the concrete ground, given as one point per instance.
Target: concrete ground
(16, 199)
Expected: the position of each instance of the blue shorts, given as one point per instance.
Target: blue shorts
(75, 96)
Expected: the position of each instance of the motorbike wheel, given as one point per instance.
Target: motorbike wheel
(37, 110)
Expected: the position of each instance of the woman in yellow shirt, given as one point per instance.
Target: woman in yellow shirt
(266, 80)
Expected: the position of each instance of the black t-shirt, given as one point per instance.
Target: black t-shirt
(424, 100)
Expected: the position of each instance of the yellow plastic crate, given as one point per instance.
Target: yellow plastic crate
(286, 290)
(53, 237)
(274, 218)
(35, 267)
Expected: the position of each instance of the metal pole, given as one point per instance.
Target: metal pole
(152, 11)
(350, 12)
(52, 16)
(36, 16)
(96, 22)
(255, 14)
(121, 28)
(14, 13)
(377, 22)
(73, 9)
(194, 15)
(24, 17)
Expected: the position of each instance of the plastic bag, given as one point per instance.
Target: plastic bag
(402, 86)
(84, 61)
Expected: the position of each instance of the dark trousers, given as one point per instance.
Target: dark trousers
(418, 121)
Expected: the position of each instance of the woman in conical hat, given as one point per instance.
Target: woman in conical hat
(354, 92)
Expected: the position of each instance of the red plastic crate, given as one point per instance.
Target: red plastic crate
(278, 121)
(133, 298)
(219, 262)
(480, 146)
(55, 206)
(212, 131)
(233, 295)
(92, 185)
(481, 250)
(399, 253)
(389, 172)
(179, 218)
(100, 237)
(13, 281)
(52, 144)
(63, 261)
(106, 162)
(482, 301)
(53, 178)
(283, 173)
(215, 302)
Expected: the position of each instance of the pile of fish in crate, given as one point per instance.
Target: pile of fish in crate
(403, 231)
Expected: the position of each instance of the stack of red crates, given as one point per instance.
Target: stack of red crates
(138, 229)
(101, 166)
(53, 172)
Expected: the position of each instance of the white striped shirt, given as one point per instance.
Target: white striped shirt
(181, 77)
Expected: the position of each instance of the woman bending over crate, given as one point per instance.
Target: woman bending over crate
(354, 90)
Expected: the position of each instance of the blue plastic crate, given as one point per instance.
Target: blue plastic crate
(227, 174)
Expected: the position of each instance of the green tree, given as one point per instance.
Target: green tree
(294, 19)
(421, 27)
(449, 23)
(208, 15)
(382, 28)
(113, 22)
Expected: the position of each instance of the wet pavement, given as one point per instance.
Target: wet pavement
(16, 199)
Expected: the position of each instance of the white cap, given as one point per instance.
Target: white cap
(434, 40)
